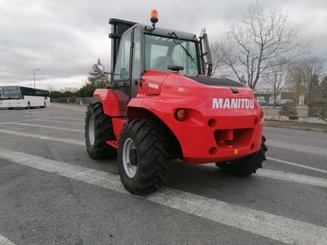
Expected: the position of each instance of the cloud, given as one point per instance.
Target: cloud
(64, 38)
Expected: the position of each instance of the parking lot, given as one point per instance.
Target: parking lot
(51, 192)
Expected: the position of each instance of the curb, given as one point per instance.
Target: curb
(320, 130)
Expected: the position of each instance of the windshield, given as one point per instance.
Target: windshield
(161, 52)
(7, 93)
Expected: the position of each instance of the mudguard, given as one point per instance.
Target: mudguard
(109, 101)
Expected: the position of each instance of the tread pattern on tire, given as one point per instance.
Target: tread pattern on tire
(246, 165)
(103, 132)
(152, 157)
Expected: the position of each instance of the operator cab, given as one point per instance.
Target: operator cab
(161, 50)
(138, 48)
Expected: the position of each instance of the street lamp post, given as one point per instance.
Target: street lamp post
(34, 74)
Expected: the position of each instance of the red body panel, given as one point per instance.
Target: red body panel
(109, 100)
(118, 125)
(221, 125)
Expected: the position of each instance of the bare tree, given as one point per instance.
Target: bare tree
(217, 51)
(297, 85)
(278, 78)
(214, 49)
(258, 43)
(311, 69)
(305, 77)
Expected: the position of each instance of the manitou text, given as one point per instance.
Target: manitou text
(232, 103)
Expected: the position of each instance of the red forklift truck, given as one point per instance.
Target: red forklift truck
(163, 104)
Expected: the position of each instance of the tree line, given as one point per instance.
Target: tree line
(262, 50)
(265, 51)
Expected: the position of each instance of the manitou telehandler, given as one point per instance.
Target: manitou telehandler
(162, 104)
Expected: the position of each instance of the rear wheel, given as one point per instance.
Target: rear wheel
(246, 165)
(98, 130)
(142, 157)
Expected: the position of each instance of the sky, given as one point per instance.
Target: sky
(64, 38)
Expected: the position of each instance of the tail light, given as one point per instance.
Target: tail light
(181, 115)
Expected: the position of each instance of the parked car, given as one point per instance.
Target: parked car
(281, 102)
(262, 102)
(285, 102)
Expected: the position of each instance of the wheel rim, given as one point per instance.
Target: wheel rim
(92, 130)
(129, 158)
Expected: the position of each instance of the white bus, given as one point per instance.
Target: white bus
(23, 97)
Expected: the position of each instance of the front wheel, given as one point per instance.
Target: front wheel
(98, 130)
(246, 165)
(142, 157)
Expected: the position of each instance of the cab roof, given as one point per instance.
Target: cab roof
(148, 29)
(167, 32)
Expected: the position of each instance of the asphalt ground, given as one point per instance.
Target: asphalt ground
(51, 192)
(316, 127)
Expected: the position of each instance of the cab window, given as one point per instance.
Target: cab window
(123, 58)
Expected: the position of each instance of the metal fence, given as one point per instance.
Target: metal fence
(73, 100)
(301, 116)
(302, 111)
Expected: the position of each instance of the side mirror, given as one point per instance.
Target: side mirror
(205, 53)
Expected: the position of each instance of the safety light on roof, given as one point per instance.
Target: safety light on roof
(154, 18)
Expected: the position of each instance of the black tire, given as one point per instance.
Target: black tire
(102, 131)
(246, 165)
(148, 155)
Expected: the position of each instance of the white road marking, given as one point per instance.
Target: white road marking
(46, 120)
(257, 222)
(295, 178)
(67, 118)
(54, 121)
(297, 147)
(297, 165)
(289, 177)
(48, 127)
(27, 120)
(5, 241)
(41, 137)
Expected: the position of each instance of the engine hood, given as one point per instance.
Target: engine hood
(213, 81)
